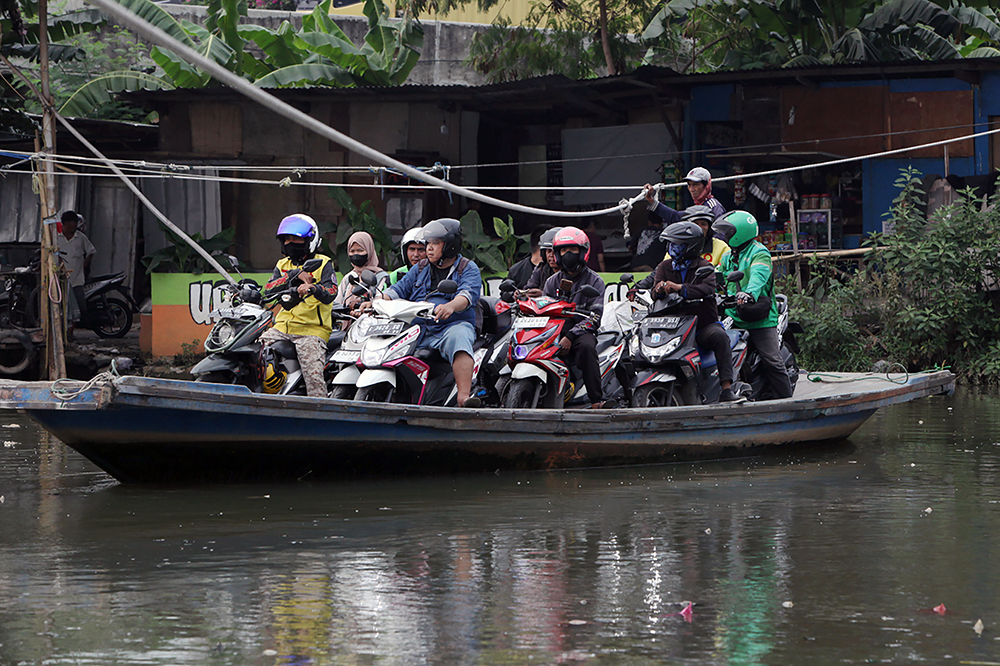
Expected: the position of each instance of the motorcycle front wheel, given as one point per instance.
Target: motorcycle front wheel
(115, 321)
(522, 394)
(656, 395)
(342, 392)
(377, 393)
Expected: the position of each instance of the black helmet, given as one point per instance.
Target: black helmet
(698, 213)
(545, 242)
(687, 234)
(446, 229)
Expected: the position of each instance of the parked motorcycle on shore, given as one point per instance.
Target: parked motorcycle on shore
(110, 307)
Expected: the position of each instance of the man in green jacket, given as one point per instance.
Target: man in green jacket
(757, 309)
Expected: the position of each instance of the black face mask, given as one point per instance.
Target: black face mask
(571, 261)
(358, 259)
(297, 253)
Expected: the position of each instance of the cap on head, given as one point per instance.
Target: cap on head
(699, 175)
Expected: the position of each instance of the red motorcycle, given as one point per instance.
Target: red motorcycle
(538, 375)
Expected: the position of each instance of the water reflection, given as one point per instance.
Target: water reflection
(832, 556)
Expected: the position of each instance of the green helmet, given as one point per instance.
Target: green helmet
(736, 228)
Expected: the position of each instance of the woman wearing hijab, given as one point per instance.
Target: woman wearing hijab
(361, 252)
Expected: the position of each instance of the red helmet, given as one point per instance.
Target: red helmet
(569, 237)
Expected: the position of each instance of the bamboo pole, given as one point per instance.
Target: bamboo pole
(51, 312)
(829, 254)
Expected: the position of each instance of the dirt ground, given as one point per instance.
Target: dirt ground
(87, 354)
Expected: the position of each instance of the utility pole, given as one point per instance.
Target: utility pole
(51, 313)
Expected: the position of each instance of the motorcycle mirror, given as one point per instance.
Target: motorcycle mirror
(507, 286)
(447, 287)
(312, 265)
(368, 277)
(626, 278)
(735, 276)
(359, 290)
(234, 263)
(590, 291)
(704, 271)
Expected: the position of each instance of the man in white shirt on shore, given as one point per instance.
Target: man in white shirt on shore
(76, 252)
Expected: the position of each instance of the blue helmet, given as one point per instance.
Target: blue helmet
(300, 226)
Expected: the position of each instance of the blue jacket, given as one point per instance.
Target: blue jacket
(416, 286)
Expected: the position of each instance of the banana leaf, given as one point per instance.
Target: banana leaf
(103, 89)
(306, 76)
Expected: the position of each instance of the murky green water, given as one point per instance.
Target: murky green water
(826, 557)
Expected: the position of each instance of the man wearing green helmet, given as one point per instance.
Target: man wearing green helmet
(757, 309)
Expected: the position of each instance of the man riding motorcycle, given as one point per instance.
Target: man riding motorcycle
(453, 331)
(757, 308)
(308, 324)
(677, 274)
(412, 249)
(572, 248)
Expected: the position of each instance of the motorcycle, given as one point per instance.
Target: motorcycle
(538, 375)
(787, 345)
(396, 370)
(110, 307)
(670, 370)
(341, 371)
(235, 353)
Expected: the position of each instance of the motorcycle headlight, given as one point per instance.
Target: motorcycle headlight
(359, 330)
(657, 354)
(373, 353)
(221, 336)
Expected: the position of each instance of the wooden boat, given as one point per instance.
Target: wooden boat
(143, 430)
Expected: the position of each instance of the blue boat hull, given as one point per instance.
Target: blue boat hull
(161, 431)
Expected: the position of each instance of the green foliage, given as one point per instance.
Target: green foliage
(563, 38)
(359, 218)
(922, 298)
(492, 255)
(707, 35)
(318, 54)
(180, 257)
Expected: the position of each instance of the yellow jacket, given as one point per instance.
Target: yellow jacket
(719, 250)
(312, 315)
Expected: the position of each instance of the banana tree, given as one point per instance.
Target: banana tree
(746, 34)
(317, 54)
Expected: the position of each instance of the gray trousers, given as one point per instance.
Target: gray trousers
(765, 341)
(311, 351)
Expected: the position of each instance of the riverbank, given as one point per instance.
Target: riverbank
(87, 354)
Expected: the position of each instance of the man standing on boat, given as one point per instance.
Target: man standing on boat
(453, 330)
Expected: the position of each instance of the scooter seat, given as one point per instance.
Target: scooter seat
(708, 359)
(429, 355)
(336, 338)
(606, 340)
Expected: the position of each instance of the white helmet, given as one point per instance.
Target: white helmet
(414, 235)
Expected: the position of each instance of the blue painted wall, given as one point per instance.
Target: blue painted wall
(711, 103)
(879, 183)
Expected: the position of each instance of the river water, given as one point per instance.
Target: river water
(883, 549)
